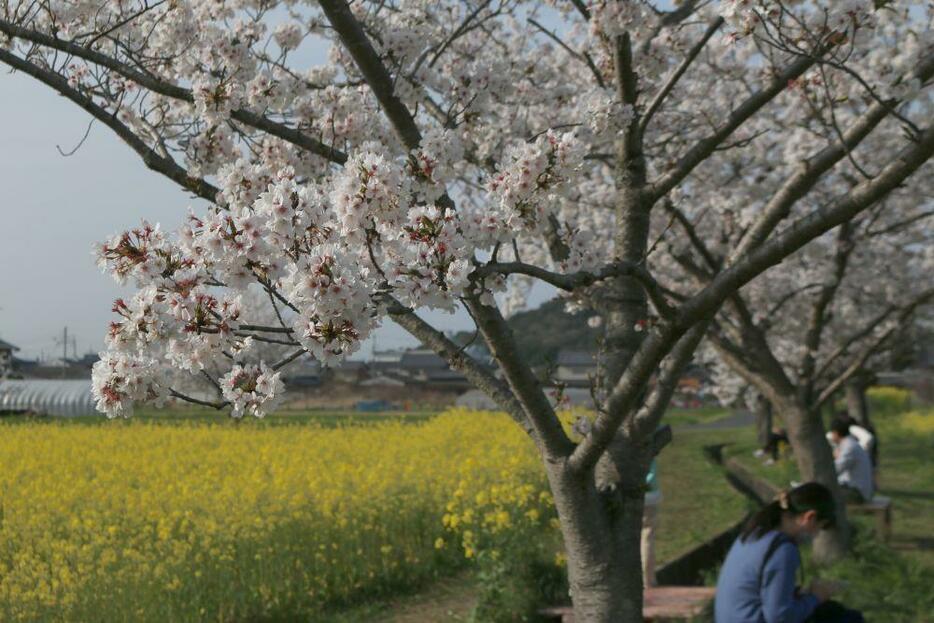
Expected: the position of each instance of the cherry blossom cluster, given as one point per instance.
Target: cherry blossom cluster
(525, 189)
(254, 390)
(837, 20)
(119, 380)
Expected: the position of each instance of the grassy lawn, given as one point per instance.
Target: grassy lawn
(688, 417)
(697, 503)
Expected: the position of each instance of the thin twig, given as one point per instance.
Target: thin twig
(80, 143)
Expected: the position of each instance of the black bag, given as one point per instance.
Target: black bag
(835, 612)
(828, 612)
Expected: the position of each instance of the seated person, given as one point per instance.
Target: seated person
(777, 436)
(865, 437)
(757, 580)
(852, 462)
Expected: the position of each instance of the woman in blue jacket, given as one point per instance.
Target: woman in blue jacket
(757, 580)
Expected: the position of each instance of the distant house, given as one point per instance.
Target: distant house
(349, 372)
(446, 379)
(386, 356)
(86, 360)
(306, 372)
(419, 363)
(57, 369)
(383, 379)
(575, 368)
(424, 366)
(6, 357)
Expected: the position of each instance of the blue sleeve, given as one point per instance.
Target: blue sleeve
(780, 604)
(651, 479)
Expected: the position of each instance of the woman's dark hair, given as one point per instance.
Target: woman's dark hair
(811, 496)
(840, 426)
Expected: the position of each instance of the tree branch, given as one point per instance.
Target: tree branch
(817, 318)
(807, 228)
(524, 385)
(288, 359)
(259, 122)
(659, 343)
(581, 56)
(581, 279)
(581, 6)
(482, 378)
(853, 338)
(204, 403)
(648, 417)
(374, 72)
(872, 347)
(659, 98)
(813, 169)
(161, 164)
(900, 225)
(703, 148)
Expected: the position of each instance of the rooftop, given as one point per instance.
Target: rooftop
(7, 346)
(422, 359)
(576, 358)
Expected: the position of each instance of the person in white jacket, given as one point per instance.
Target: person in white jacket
(852, 462)
(863, 436)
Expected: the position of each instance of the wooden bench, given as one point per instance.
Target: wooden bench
(880, 507)
(660, 602)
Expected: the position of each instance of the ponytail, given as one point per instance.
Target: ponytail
(809, 496)
(766, 519)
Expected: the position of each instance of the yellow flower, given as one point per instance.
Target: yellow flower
(124, 519)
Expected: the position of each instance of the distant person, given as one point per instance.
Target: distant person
(653, 498)
(852, 462)
(757, 580)
(772, 447)
(866, 437)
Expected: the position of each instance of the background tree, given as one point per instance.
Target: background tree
(827, 318)
(451, 152)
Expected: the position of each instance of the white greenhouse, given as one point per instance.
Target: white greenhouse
(47, 397)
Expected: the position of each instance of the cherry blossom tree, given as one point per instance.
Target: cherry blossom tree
(449, 154)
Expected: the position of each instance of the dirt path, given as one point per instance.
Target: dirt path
(448, 600)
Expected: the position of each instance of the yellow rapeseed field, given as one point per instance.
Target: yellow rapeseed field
(133, 521)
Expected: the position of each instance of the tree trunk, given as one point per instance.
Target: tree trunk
(856, 404)
(815, 463)
(763, 413)
(601, 511)
(601, 522)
